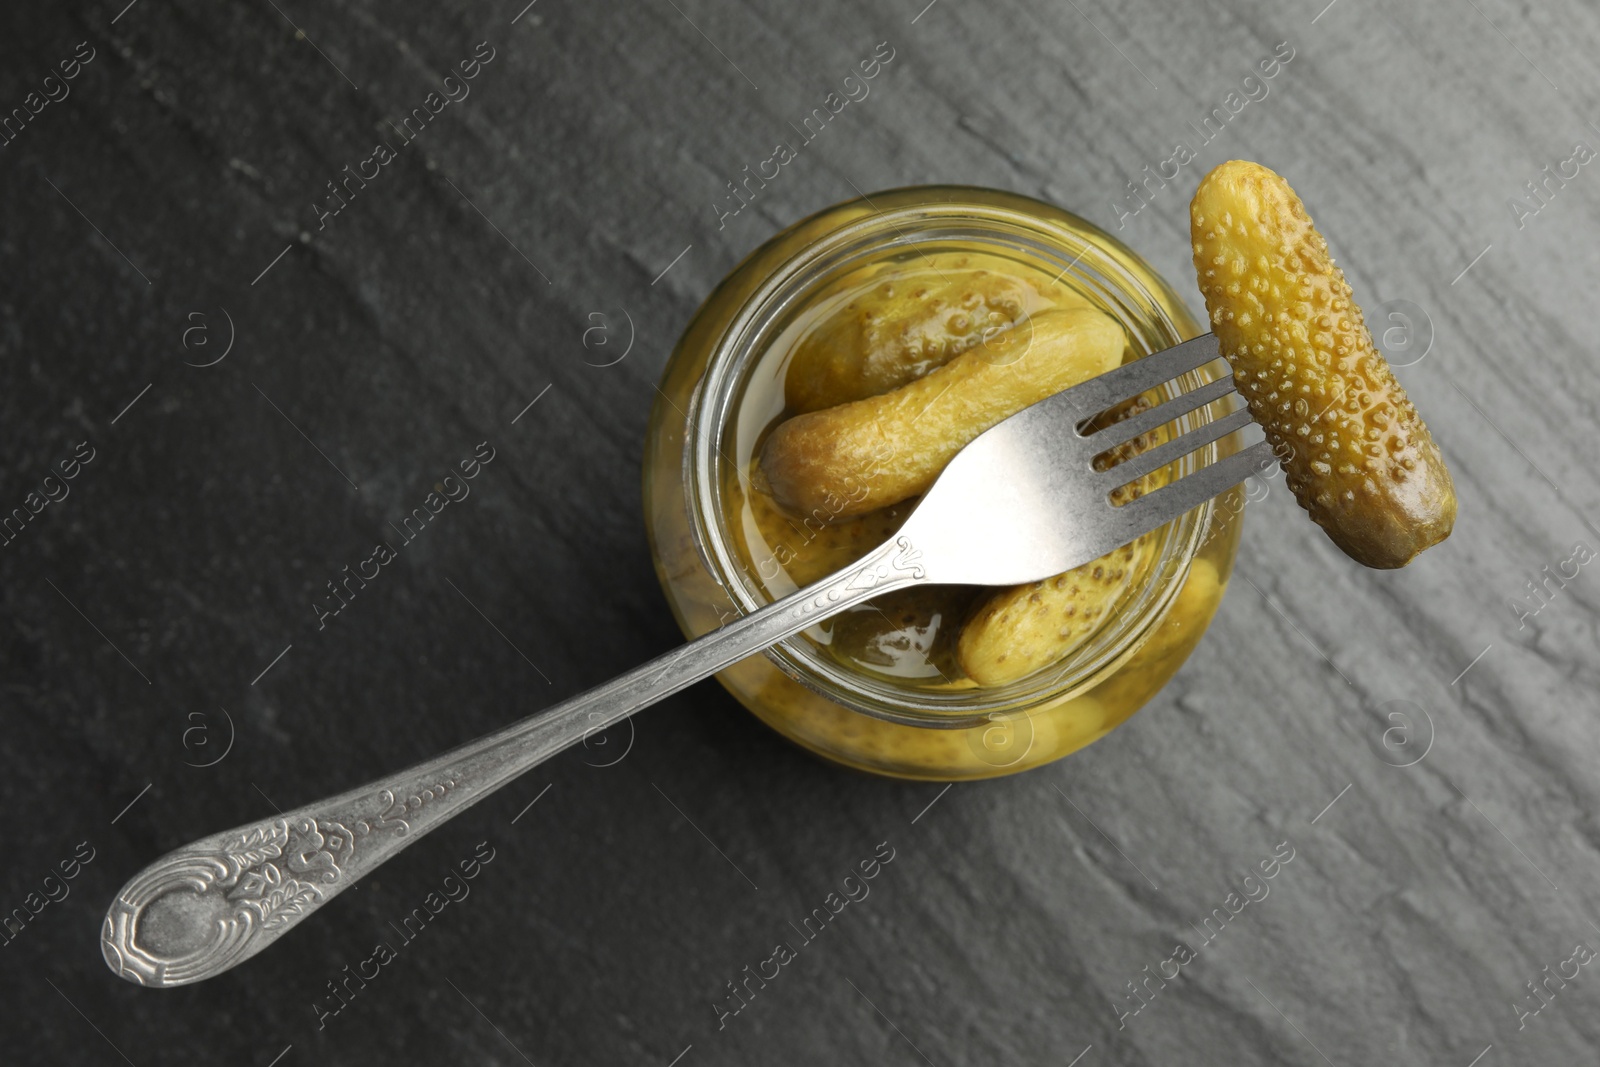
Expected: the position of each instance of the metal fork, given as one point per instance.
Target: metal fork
(1020, 503)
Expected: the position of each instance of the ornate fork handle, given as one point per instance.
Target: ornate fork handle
(212, 904)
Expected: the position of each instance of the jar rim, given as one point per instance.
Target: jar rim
(868, 226)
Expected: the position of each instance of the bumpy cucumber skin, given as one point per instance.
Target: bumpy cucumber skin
(1356, 454)
(902, 329)
(856, 457)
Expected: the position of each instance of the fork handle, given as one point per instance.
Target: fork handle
(214, 903)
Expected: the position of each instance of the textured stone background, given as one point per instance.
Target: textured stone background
(578, 179)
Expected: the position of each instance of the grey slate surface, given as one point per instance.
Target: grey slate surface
(580, 177)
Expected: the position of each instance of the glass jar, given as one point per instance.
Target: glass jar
(716, 396)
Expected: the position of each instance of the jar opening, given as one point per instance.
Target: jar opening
(916, 223)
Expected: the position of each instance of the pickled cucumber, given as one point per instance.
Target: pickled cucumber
(912, 319)
(1358, 457)
(867, 454)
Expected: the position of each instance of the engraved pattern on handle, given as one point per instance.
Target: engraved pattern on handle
(230, 895)
(251, 884)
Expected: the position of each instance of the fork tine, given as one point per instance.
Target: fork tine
(1131, 379)
(1156, 509)
(1109, 437)
(1160, 456)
